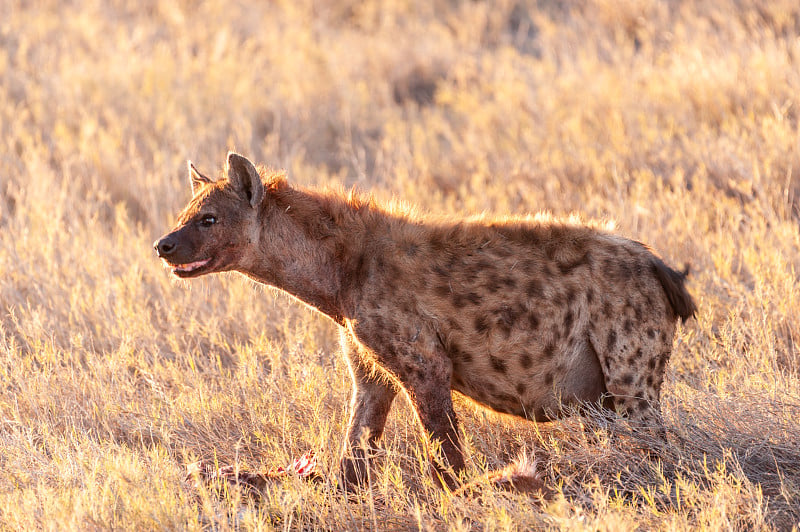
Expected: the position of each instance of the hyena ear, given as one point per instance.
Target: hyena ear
(196, 178)
(244, 177)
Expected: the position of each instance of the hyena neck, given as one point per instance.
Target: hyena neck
(312, 248)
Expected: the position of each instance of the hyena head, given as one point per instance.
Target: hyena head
(220, 226)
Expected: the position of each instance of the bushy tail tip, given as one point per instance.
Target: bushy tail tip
(673, 283)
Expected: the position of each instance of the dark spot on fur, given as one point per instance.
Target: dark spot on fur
(636, 356)
(392, 271)
(531, 237)
(534, 289)
(530, 266)
(567, 267)
(481, 324)
(607, 309)
(521, 388)
(589, 295)
(644, 404)
(570, 296)
(506, 317)
(651, 333)
(627, 379)
(438, 242)
(457, 353)
(612, 340)
(441, 272)
(571, 341)
(442, 290)
(492, 285)
(651, 364)
(548, 378)
(509, 282)
(525, 361)
(549, 350)
(483, 264)
(568, 322)
(624, 272)
(473, 298)
(454, 350)
(649, 380)
(628, 326)
(412, 250)
(533, 320)
(498, 364)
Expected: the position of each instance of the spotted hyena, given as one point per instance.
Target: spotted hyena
(523, 315)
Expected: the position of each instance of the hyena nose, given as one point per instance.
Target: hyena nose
(165, 246)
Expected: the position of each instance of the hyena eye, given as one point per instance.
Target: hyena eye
(208, 220)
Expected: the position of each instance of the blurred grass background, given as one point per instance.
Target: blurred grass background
(676, 119)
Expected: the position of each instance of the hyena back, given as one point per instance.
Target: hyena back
(524, 316)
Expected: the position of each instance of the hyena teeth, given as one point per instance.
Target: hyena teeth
(191, 266)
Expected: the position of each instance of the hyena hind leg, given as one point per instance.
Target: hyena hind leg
(633, 377)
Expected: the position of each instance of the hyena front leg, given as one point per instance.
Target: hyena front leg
(434, 407)
(426, 380)
(370, 404)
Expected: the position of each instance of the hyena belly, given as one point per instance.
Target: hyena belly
(526, 374)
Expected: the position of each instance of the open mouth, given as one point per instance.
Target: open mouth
(189, 268)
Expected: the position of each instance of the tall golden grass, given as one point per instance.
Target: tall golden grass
(679, 120)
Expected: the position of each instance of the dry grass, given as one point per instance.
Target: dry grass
(677, 119)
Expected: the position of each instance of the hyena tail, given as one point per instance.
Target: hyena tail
(525, 475)
(673, 284)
